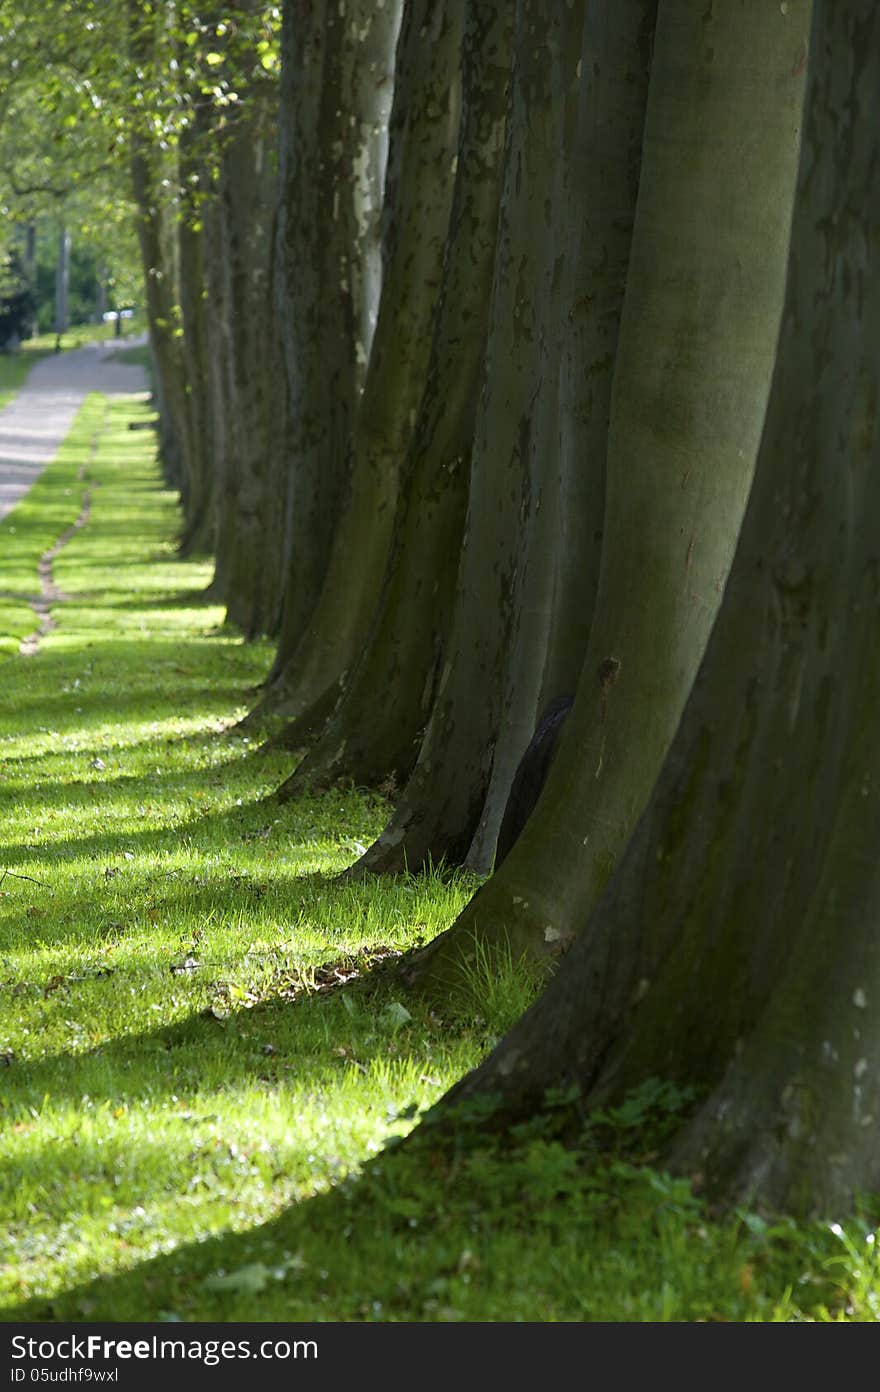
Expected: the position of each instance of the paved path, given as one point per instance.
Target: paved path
(35, 423)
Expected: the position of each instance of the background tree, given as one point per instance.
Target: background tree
(373, 734)
(201, 93)
(16, 302)
(423, 129)
(336, 93)
(227, 163)
(62, 177)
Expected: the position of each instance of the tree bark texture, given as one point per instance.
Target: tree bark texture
(373, 735)
(423, 138)
(337, 79)
(252, 482)
(597, 185)
(200, 335)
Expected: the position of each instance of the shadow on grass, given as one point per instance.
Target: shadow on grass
(350, 1276)
(183, 599)
(263, 1045)
(171, 684)
(265, 819)
(370, 1248)
(363, 1244)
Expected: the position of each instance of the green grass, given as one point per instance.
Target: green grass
(192, 1125)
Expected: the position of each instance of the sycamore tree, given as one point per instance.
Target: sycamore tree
(727, 943)
(337, 81)
(160, 117)
(227, 179)
(506, 351)
(322, 635)
(259, 167)
(371, 738)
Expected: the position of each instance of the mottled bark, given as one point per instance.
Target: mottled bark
(337, 78)
(372, 737)
(697, 342)
(736, 949)
(161, 307)
(423, 138)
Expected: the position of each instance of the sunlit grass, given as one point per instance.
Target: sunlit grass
(191, 1125)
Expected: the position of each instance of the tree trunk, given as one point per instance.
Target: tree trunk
(597, 186)
(220, 365)
(736, 949)
(516, 459)
(62, 281)
(697, 341)
(419, 184)
(30, 270)
(247, 189)
(196, 343)
(159, 277)
(337, 78)
(162, 322)
(373, 735)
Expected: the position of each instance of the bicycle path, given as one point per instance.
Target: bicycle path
(35, 423)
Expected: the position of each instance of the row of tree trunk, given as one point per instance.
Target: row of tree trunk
(509, 352)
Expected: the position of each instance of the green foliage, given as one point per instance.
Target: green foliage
(495, 990)
(225, 49)
(642, 1123)
(80, 83)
